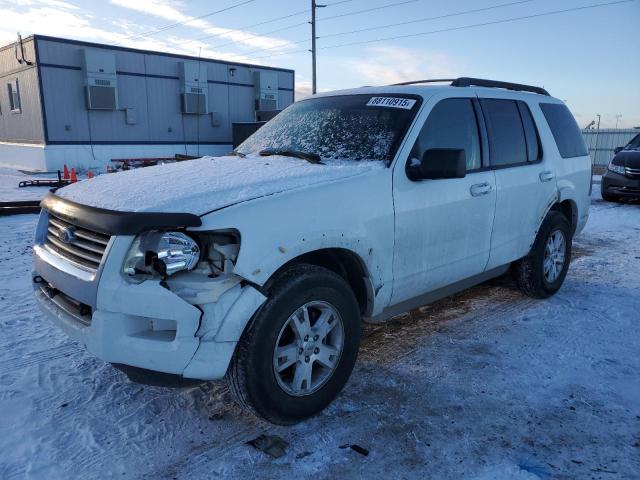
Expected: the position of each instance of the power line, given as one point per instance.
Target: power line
(189, 20)
(289, 27)
(426, 19)
(450, 29)
(297, 42)
(380, 7)
(495, 22)
(338, 3)
(278, 30)
(306, 10)
(388, 25)
(254, 35)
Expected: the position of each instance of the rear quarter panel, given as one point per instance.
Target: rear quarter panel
(573, 175)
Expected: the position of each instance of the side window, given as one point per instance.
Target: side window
(14, 96)
(507, 143)
(530, 133)
(451, 124)
(565, 130)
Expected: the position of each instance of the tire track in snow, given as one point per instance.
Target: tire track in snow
(54, 353)
(478, 304)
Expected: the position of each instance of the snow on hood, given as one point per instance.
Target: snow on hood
(209, 183)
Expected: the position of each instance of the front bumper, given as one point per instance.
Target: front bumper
(120, 338)
(620, 185)
(143, 325)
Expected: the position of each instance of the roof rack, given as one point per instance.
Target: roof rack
(434, 80)
(481, 82)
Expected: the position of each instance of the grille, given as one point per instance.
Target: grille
(632, 172)
(77, 310)
(78, 245)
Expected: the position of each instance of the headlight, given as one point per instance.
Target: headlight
(616, 168)
(162, 252)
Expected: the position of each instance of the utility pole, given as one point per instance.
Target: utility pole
(595, 148)
(314, 6)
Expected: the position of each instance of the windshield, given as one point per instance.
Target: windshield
(348, 127)
(634, 144)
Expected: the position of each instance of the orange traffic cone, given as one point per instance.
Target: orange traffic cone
(89, 174)
(74, 176)
(65, 174)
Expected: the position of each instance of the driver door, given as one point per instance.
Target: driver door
(443, 227)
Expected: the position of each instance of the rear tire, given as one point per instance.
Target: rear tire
(278, 375)
(541, 273)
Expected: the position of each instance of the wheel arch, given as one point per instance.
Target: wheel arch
(569, 209)
(342, 261)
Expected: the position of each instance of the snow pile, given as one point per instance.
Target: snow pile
(206, 184)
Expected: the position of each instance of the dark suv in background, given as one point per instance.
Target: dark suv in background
(622, 178)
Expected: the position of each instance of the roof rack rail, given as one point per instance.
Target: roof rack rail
(481, 82)
(434, 80)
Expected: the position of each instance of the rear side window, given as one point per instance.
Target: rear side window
(507, 142)
(565, 130)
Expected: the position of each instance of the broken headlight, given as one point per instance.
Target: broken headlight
(163, 253)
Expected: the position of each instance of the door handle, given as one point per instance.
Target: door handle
(546, 176)
(480, 189)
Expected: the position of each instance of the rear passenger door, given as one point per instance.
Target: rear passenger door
(525, 179)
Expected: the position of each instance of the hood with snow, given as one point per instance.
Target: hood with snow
(206, 184)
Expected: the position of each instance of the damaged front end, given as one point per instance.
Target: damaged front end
(199, 269)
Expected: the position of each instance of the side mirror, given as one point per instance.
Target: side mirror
(438, 163)
(617, 150)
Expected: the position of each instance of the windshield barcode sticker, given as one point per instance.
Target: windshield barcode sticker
(393, 102)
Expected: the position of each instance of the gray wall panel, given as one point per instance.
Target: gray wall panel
(156, 100)
(132, 93)
(219, 104)
(59, 53)
(241, 104)
(25, 126)
(285, 80)
(64, 104)
(164, 111)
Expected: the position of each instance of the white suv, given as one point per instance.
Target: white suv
(361, 204)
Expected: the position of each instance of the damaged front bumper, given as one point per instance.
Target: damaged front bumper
(143, 325)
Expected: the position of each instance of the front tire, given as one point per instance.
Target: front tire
(299, 352)
(541, 273)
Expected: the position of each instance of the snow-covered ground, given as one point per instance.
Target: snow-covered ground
(488, 384)
(9, 191)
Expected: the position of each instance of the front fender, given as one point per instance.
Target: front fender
(355, 214)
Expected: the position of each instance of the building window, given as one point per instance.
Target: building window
(14, 96)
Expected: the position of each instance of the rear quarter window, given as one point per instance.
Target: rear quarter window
(565, 130)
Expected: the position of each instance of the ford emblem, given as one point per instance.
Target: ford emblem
(66, 235)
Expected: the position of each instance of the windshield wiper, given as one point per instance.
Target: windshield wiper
(308, 156)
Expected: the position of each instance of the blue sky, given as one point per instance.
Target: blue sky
(588, 58)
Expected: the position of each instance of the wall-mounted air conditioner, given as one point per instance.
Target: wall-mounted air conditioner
(265, 85)
(193, 87)
(101, 82)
